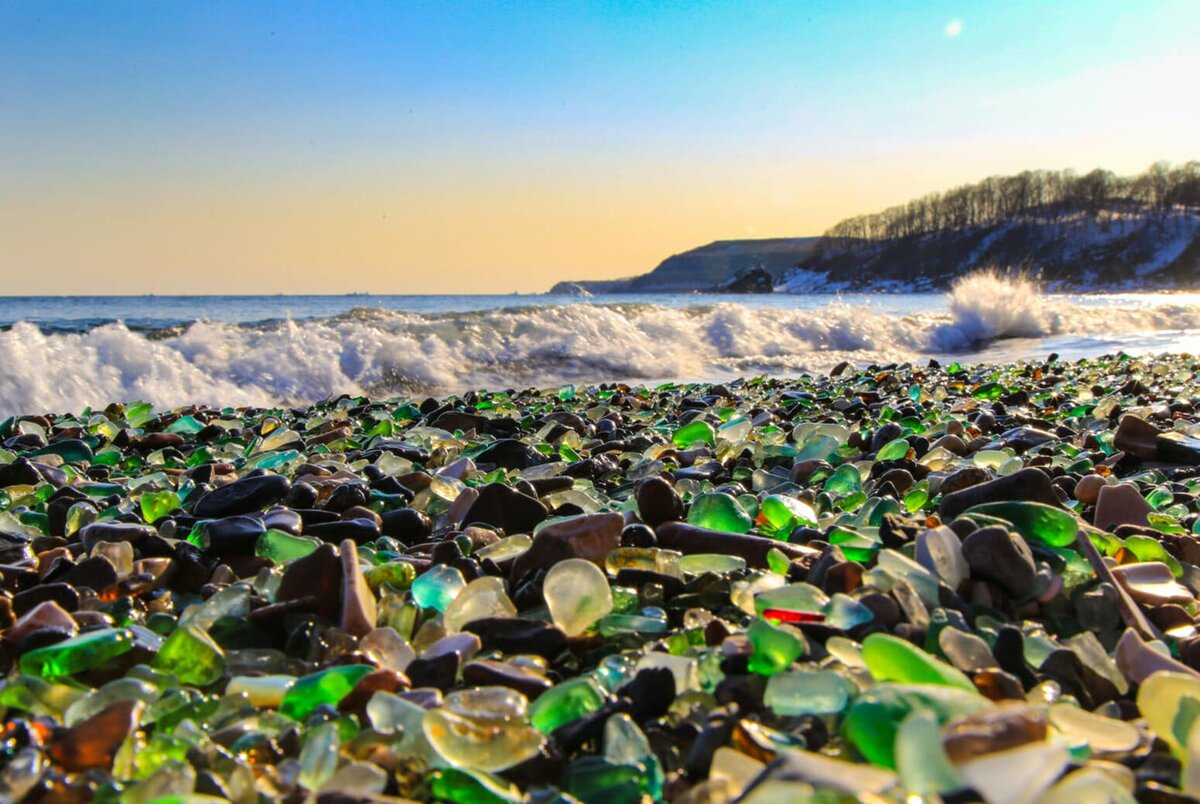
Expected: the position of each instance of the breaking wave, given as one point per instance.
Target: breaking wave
(383, 352)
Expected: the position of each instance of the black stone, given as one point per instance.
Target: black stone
(233, 535)
(1027, 484)
(511, 454)
(243, 496)
(503, 507)
(360, 530)
(516, 635)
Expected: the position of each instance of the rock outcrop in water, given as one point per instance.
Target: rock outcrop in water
(752, 280)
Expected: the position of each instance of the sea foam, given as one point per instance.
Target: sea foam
(384, 353)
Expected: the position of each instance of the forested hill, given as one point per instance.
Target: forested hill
(1093, 231)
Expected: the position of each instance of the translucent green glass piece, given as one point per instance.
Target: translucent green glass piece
(873, 718)
(893, 450)
(1148, 549)
(31, 694)
(594, 780)
(319, 756)
(1160, 497)
(157, 504)
(823, 692)
(71, 450)
(632, 624)
(283, 547)
(778, 562)
(397, 574)
(108, 456)
(192, 655)
(626, 744)
(1035, 521)
(473, 787)
(185, 425)
(78, 654)
(924, 768)
(786, 513)
(232, 601)
(916, 497)
(689, 434)
(699, 563)
(161, 750)
(818, 447)
(564, 703)
(325, 687)
(79, 515)
(844, 480)
(989, 390)
(775, 647)
(855, 546)
(437, 587)
(890, 658)
(719, 511)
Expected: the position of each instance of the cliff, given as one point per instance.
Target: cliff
(1085, 252)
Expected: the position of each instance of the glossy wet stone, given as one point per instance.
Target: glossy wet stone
(93, 743)
(1032, 485)
(658, 502)
(243, 496)
(1002, 556)
(591, 537)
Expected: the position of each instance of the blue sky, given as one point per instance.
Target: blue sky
(264, 142)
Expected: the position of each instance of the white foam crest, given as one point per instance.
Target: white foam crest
(394, 352)
(988, 306)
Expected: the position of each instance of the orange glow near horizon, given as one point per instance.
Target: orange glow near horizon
(545, 144)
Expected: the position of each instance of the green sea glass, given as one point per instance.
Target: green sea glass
(473, 787)
(719, 511)
(775, 647)
(157, 504)
(321, 688)
(893, 450)
(890, 658)
(283, 547)
(822, 692)
(77, 654)
(565, 702)
(689, 434)
(873, 719)
(845, 480)
(1036, 522)
(437, 587)
(192, 655)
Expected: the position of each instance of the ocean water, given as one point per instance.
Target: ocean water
(61, 354)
